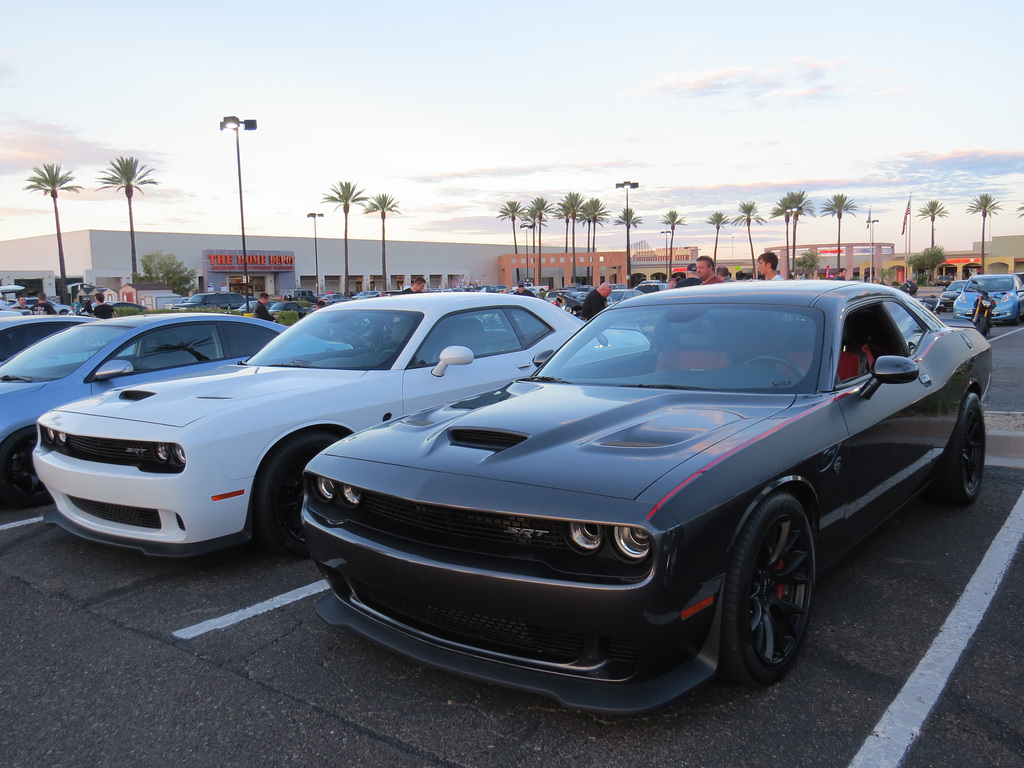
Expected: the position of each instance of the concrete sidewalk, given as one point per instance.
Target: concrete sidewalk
(1004, 439)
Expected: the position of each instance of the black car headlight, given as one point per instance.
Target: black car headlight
(324, 488)
(586, 537)
(632, 542)
(169, 453)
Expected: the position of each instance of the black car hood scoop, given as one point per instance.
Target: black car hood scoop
(485, 439)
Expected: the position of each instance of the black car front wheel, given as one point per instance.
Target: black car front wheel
(767, 599)
(19, 483)
(277, 493)
(962, 466)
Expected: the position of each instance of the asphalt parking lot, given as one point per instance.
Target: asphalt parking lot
(112, 658)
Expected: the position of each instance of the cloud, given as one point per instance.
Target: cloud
(25, 145)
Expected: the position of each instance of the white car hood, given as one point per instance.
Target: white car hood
(179, 402)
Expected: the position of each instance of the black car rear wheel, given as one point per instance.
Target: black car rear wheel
(962, 465)
(277, 493)
(19, 483)
(768, 589)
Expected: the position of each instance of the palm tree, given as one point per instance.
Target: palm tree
(126, 173)
(382, 204)
(50, 180)
(629, 220)
(933, 210)
(344, 195)
(717, 220)
(987, 206)
(572, 208)
(511, 211)
(799, 204)
(595, 214)
(672, 219)
(1020, 212)
(782, 209)
(836, 206)
(748, 215)
(562, 214)
(538, 210)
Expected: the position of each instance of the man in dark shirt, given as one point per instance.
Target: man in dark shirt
(521, 290)
(419, 285)
(596, 300)
(260, 311)
(43, 307)
(101, 310)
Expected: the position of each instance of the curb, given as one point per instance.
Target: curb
(1004, 449)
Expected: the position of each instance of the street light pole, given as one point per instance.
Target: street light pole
(234, 124)
(628, 185)
(874, 268)
(316, 256)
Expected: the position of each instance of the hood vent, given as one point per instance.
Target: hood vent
(486, 439)
(135, 394)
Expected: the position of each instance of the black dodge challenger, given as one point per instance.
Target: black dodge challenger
(654, 503)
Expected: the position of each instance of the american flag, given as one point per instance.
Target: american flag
(906, 217)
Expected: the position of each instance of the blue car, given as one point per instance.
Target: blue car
(95, 357)
(1007, 290)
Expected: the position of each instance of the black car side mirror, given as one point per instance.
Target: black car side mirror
(890, 369)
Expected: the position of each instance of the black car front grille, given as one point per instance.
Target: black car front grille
(526, 641)
(105, 450)
(141, 517)
(466, 523)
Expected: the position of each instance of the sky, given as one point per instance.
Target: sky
(454, 108)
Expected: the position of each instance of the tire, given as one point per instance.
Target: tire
(19, 484)
(962, 466)
(277, 493)
(767, 599)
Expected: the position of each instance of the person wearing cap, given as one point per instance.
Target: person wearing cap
(521, 291)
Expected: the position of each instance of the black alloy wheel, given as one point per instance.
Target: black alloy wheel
(768, 588)
(19, 483)
(962, 466)
(277, 492)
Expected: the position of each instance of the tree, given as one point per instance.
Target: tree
(595, 214)
(572, 208)
(511, 211)
(160, 267)
(987, 206)
(1020, 214)
(538, 211)
(799, 204)
(629, 220)
(749, 215)
(383, 204)
(836, 206)
(927, 260)
(672, 219)
(808, 263)
(782, 209)
(50, 180)
(344, 195)
(933, 209)
(126, 173)
(717, 220)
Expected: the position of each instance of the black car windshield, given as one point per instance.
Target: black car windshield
(59, 355)
(343, 340)
(720, 347)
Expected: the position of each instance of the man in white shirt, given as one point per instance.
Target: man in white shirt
(768, 265)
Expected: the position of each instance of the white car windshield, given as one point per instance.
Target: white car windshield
(342, 340)
(721, 347)
(991, 284)
(57, 356)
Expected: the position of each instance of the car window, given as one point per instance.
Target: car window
(484, 331)
(246, 339)
(20, 335)
(59, 355)
(173, 346)
(530, 328)
(867, 335)
(909, 326)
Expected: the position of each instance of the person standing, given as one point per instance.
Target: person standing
(723, 272)
(260, 311)
(768, 265)
(841, 273)
(419, 285)
(706, 271)
(102, 310)
(43, 307)
(682, 281)
(86, 306)
(596, 300)
(521, 290)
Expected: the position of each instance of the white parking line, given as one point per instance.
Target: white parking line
(901, 724)
(254, 610)
(5, 526)
(1008, 333)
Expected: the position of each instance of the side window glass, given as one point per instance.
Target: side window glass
(484, 331)
(244, 339)
(909, 326)
(530, 328)
(173, 346)
(867, 335)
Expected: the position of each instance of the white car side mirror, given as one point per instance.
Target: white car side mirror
(453, 355)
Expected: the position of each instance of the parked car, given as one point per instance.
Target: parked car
(19, 331)
(949, 294)
(621, 294)
(204, 301)
(61, 309)
(367, 295)
(116, 305)
(335, 298)
(1007, 290)
(289, 306)
(95, 357)
(652, 286)
(943, 281)
(243, 438)
(655, 503)
(300, 294)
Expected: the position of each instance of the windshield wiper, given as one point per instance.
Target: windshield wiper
(658, 386)
(292, 364)
(8, 377)
(548, 379)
